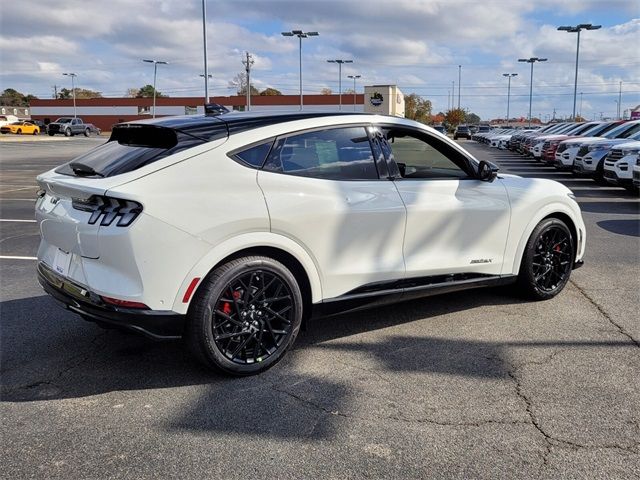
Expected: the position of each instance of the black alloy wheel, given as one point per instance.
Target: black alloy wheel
(547, 260)
(252, 317)
(245, 316)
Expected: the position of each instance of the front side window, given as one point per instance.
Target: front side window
(336, 154)
(421, 156)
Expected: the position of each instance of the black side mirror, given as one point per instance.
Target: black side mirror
(487, 171)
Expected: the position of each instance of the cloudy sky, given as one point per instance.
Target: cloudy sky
(416, 44)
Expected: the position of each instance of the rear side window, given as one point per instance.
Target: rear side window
(336, 154)
(131, 147)
(254, 156)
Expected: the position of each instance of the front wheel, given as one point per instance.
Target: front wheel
(245, 316)
(67, 132)
(547, 260)
(19, 132)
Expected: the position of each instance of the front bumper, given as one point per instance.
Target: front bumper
(158, 325)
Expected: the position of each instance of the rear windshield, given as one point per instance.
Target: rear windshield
(134, 146)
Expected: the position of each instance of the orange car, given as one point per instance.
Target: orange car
(20, 128)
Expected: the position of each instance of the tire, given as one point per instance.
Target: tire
(51, 134)
(598, 176)
(35, 132)
(19, 132)
(67, 132)
(87, 132)
(231, 328)
(550, 248)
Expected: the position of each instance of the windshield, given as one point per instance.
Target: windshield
(63, 120)
(616, 132)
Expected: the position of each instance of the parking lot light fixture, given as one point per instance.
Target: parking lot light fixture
(300, 34)
(531, 60)
(73, 90)
(155, 74)
(354, 77)
(340, 62)
(577, 29)
(509, 75)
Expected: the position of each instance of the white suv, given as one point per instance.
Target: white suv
(232, 230)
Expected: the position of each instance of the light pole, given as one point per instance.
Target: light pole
(620, 101)
(531, 60)
(509, 75)
(73, 90)
(580, 114)
(300, 34)
(355, 77)
(340, 62)
(155, 74)
(204, 44)
(206, 86)
(577, 29)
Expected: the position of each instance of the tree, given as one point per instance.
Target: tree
(455, 117)
(131, 92)
(239, 82)
(86, 93)
(472, 118)
(349, 91)
(270, 92)
(65, 93)
(147, 92)
(13, 98)
(417, 108)
(326, 91)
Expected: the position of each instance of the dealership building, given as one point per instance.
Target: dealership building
(106, 112)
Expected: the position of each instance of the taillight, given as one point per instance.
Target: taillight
(109, 209)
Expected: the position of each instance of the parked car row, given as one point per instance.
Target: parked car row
(605, 151)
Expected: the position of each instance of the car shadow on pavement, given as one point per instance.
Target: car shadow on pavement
(621, 227)
(620, 208)
(53, 355)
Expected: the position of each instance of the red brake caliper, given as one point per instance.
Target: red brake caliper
(226, 306)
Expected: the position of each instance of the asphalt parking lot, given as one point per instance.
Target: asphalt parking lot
(477, 384)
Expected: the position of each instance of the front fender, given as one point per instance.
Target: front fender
(242, 242)
(546, 211)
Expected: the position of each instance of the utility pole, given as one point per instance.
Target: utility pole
(580, 114)
(459, 83)
(453, 92)
(354, 77)
(247, 62)
(155, 75)
(55, 91)
(620, 101)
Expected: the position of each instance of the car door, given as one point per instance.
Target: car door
(323, 190)
(456, 223)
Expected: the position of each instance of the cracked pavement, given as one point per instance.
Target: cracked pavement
(477, 384)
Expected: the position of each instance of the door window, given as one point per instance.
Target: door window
(336, 154)
(421, 156)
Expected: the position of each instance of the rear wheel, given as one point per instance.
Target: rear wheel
(19, 132)
(87, 132)
(36, 132)
(245, 316)
(51, 134)
(547, 260)
(67, 132)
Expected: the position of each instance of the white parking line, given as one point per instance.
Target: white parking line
(11, 257)
(18, 199)
(15, 220)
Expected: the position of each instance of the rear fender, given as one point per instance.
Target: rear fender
(243, 242)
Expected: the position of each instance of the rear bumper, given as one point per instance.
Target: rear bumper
(158, 325)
